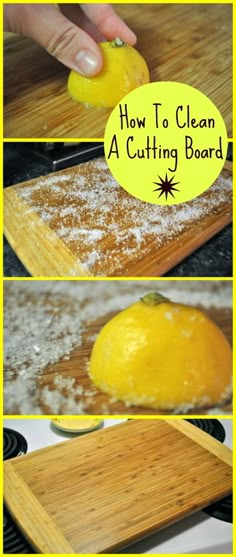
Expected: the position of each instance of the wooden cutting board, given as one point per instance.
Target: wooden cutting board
(190, 43)
(99, 493)
(80, 222)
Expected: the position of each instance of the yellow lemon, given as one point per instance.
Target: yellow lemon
(123, 70)
(162, 355)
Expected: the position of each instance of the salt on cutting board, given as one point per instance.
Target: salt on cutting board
(80, 222)
(189, 43)
(99, 493)
(50, 328)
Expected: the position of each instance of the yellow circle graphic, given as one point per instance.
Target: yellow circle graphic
(165, 143)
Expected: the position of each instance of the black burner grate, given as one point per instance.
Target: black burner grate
(14, 444)
(211, 426)
(223, 509)
(13, 541)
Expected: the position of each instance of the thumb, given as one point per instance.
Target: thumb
(65, 41)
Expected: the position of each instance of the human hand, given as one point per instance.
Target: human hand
(70, 33)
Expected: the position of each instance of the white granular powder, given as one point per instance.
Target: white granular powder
(44, 321)
(105, 227)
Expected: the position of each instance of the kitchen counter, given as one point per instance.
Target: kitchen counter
(213, 259)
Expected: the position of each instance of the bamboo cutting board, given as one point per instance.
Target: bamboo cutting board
(80, 222)
(99, 493)
(186, 43)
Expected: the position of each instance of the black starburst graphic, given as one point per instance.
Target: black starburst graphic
(166, 186)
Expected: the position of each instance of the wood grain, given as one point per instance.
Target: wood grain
(203, 438)
(47, 248)
(112, 487)
(34, 243)
(186, 43)
(46, 536)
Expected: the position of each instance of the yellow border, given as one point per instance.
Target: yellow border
(117, 417)
(124, 2)
(146, 417)
(119, 278)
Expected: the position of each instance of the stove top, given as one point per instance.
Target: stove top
(14, 444)
(223, 509)
(182, 537)
(211, 426)
(13, 541)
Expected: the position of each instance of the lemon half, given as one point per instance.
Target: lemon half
(162, 355)
(124, 69)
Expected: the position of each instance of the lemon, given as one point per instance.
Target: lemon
(124, 69)
(162, 355)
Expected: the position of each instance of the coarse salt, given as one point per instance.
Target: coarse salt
(85, 207)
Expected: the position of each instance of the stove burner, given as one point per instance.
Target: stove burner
(223, 509)
(13, 541)
(14, 444)
(211, 426)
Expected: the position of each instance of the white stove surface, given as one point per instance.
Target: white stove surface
(195, 534)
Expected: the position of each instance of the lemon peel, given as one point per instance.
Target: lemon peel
(124, 69)
(162, 355)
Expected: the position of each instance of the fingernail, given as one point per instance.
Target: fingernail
(133, 37)
(86, 62)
